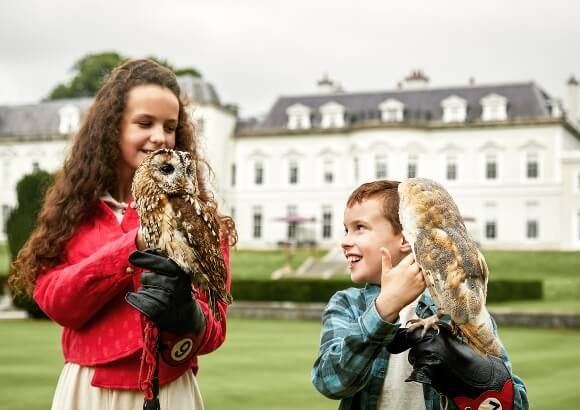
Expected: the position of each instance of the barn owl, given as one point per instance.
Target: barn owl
(177, 223)
(453, 267)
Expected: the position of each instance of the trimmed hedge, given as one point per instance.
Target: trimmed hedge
(505, 290)
(30, 192)
(320, 290)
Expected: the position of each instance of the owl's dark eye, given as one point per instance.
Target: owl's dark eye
(167, 169)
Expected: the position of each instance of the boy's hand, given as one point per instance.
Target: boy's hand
(400, 285)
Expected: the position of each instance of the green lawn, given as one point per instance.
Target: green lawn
(266, 365)
(249, 264)
(4, 258)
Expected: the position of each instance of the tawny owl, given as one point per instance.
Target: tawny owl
(453, 267)
(177, 223)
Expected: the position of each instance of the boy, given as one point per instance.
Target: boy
(353, 362)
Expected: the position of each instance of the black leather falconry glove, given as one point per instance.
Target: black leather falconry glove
(165, 297)
(453, 369)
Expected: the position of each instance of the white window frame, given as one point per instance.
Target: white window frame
(293, 165)
(532, 211)
(69, 119)
(298, 117)
(381, 159)
(493, 108)
(258, 166)
(233, 176)
(527, 163)
(292, 226)
(356, 168)
(451, 159)
(326, 222)
(392, 110)
(413, 160)
(495, 229)
(257, 216)
(332, 115)
(454, 109)
(486, 162)
(328, 169)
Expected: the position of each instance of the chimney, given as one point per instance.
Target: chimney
(472, 81)
(328, 86)
(572, 100)
(416, 80)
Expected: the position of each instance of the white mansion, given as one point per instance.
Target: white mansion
(508, 153)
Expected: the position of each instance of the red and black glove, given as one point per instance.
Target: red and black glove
(453, 369)
(166, 298)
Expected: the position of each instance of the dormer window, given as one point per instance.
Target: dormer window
(298, 117)
(391, 110)
(494, 108)
(555, 108)
(332, 115)
(69, 119)
(454, 109)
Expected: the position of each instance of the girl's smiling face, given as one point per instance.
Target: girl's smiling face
(149, 122)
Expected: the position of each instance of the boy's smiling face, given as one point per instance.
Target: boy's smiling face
(366, 231)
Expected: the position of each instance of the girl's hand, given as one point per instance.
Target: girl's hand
(400, 285)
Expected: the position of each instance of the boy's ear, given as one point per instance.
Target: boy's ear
(404, 246)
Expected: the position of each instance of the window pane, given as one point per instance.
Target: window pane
(532, 169)
(532, 229)
(490, 230)
(257, 223)
(491, 170)
(327, 223)
(328, 171)
(380, 166)
(258, 173)
(451, 173)
(293, 172)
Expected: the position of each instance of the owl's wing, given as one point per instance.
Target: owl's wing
(201, 230)
(454, 270)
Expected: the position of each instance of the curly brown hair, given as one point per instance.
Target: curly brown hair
(87, 172)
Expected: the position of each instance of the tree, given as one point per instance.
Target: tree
(90, 71)
(30, 192)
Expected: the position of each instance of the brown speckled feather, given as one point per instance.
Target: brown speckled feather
(454, 269)
(176, 222)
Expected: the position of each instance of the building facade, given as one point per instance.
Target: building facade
(508, 153)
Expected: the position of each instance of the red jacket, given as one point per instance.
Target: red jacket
(85, 294)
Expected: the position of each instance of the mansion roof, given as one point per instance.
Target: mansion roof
(38, 119)
(524, 100)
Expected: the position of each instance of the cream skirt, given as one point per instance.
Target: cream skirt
(74, 392)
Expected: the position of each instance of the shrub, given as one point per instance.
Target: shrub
(30, 192)
(320, 290)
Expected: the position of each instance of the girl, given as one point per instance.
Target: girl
(75, 263)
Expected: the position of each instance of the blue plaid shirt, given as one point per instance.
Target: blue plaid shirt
(353, 359)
